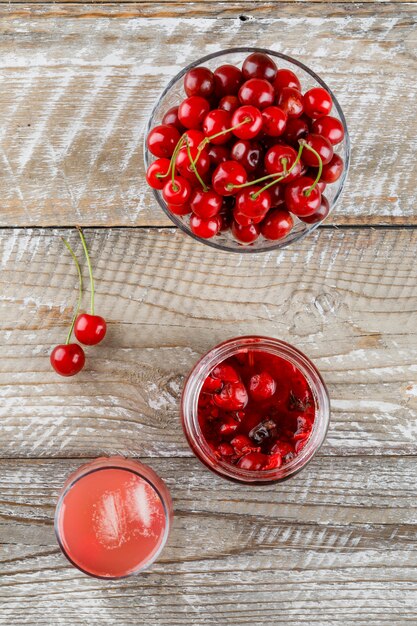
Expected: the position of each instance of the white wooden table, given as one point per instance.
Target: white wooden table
(334, 546)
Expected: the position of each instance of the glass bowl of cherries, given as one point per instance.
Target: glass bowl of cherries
(247, 150)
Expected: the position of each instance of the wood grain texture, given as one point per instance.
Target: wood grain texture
(347, 298)
(76, 94)
(314, 550)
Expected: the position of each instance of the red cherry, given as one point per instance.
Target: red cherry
(228, 426)
(277, 224)
(199, 81)
(90, 329)
(274, 161)
(277, 193)
(226, 373)
(192, 111)
(259, 65)
(286, 78)
(321, 213)
(253, 204)
(274, 462)
(242, 445)
(229, 103)
(171, 118)
(177, 191)
(296, 199)
(254, 461)
(329, 127)
(217, 121)
(291, 101)
(257, 92)
(206, 204)
(228, 79)
(332, 171)
(205, 229)
(317, 102)
(226, 176)
(162, 140)
(161, 167)
(244, 220)
(245, 234)
(322, 146)
(247, 153)
(67, 359)
(183, 163)
(179, 209)
(248, 129)
(262, 386)
(194, 137)
(225, 450)
(232, 397)
(296, 128)
(274, 121)
(217, 154)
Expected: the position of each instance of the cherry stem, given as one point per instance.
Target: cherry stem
(277, 180)
(90, 270)
(193, 166)
(80, 290)
(222, 132)
(308, 191)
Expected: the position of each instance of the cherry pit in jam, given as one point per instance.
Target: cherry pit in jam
(255, 409)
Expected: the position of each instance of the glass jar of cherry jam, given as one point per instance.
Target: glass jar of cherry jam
(255, 410)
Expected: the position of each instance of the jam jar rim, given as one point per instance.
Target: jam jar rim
(191, 392)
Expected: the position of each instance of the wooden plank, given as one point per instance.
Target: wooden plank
(335, 544)
(76, 94)
(347, 298)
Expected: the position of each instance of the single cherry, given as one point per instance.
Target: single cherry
(171, 118)
(277, 224)
(156, 176)
(245, 234)
(67, 359)
(227, 176)
(192, 111)
(279, 159)
(216, 126)
(253, 202)
(254, 461)
(205, 229)
(262, 386)
(232, 397)
(319, 215)
(227, 80)
(274, 121)
(177, 191)
(206, 204)
(322, 146)
(229, 103)
(329, 127)
(90, 329)
(300, 198)
(259, 65)
(290, 100)
(199, 81)
(332, 171)
(296, 128)
(183, 163)
(247, 153)
(248, 120)
(162, 140)
(257, 92)
(286, 78)
(317, 102)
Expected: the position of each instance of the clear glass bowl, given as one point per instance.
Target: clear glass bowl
(77, 500)
(173, 94)
(189, 409)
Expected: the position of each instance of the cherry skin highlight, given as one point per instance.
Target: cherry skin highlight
(90, 329)
(67, 359)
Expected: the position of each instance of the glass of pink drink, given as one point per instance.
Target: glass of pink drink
(113, 517)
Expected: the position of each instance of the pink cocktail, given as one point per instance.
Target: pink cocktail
(113, 517)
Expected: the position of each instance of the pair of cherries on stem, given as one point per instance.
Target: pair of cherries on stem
(68, 358)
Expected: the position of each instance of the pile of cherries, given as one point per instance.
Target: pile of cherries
(256, 410)
(246, 150)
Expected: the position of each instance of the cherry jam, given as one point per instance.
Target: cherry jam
(255, 409)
